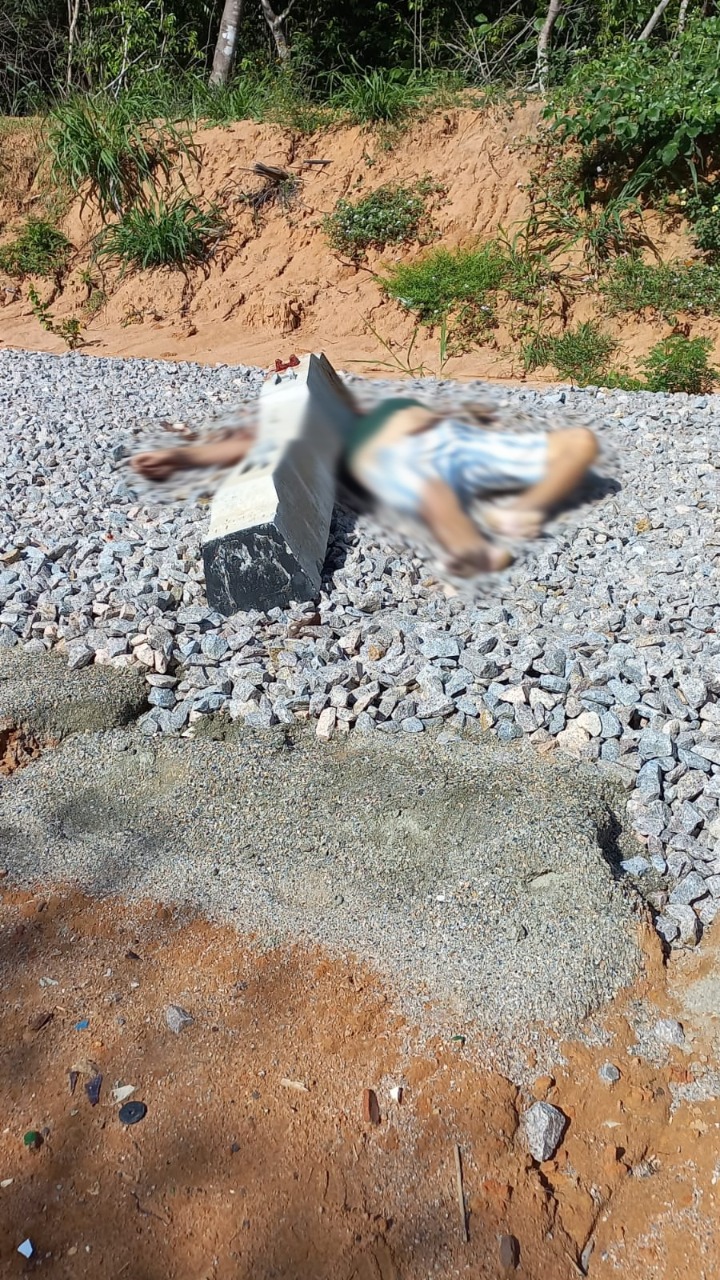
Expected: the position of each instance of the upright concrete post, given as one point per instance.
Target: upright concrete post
(269, 521)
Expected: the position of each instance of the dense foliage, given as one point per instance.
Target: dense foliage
(49, 46)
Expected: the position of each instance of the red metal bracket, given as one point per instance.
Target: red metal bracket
(282, 365)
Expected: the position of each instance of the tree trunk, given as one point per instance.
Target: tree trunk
(275, 22)
(543, 44)
(73, 15)
(224, 56)
(682, 16)
(653, 21)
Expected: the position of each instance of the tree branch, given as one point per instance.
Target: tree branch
(653, 20)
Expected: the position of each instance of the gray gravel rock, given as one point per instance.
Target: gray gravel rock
(609, 1073)
(669, 1031)
(544, 1126)
(614, 614)
(177, 1018)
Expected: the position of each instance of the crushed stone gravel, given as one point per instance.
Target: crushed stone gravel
(601, 642)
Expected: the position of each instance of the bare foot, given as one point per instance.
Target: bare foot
(514, 522)
(157, 464)
(487, 559)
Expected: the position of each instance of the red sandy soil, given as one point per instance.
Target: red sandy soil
(235, 1172)
(277, 287)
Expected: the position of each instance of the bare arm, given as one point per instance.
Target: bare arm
(159, 464)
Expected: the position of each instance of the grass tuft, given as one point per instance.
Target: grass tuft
(39, 250)
(579, 355)
(102, 150)
(379, 96)
(452, 285)
(163, 233)
(679, 363)
(664, 288)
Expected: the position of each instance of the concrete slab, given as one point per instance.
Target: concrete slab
(473, 878)
(44, 697)
(270, 520)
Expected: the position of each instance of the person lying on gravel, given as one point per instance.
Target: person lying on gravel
(434, 466)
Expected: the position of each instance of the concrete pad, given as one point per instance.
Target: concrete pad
(475, 878)
(44, 697)
(270, 519)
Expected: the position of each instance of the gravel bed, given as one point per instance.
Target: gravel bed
(478, 879)
(602, 640)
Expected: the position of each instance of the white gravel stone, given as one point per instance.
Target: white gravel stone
(544, 1126)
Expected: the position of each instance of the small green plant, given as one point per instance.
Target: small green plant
(39, 250)
(702, 210)
(665, 289)
(95, 303)
(102, 151)
(390, 215)
(455, 286)
(679, 363)
(160, 233)
(69, 329)
(379, 96)
(579, 355)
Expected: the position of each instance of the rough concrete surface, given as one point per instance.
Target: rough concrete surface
(470, 875)
(51, 701)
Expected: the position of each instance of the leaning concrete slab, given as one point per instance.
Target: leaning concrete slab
(270, 520)
(478, 879)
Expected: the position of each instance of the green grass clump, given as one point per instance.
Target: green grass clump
(665, 288)
(102, 149)
(379, 96)
(160, 233)
(390, 215)
(679, 363)
(39, 250)
(579, 355)
(457, 284)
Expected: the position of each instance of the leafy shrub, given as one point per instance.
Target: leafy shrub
(390, 215)
(39, 250)
(644, 109)
(101, 148)
(458, 283)
(382, 95)
(664, 288)
(681, 364)
(579, 355)
(172, 233)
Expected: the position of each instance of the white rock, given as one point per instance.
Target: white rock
(669, 1031)
(326, 724)
(544, 1127)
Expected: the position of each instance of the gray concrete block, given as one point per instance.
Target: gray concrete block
(270, 520)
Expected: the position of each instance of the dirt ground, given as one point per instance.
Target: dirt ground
(275, 287)
(256, 1158)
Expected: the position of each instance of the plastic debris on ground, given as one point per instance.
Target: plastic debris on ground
(92, 1089)
(27, 1248)
(122, 1092)
(132, 1113)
